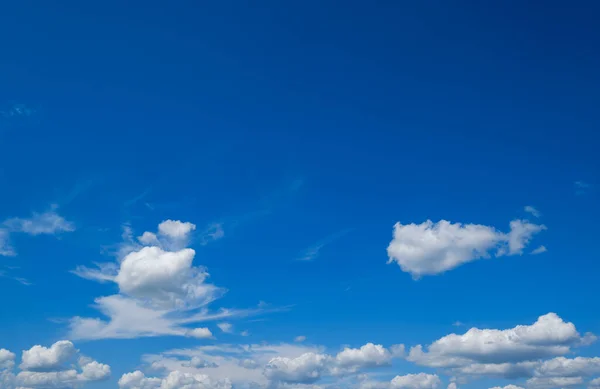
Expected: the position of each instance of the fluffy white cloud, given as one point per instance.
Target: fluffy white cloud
(161, 291)
(594, 384)
(300, 338)
(416, 381)
(431, 248)
(175, 380)
(175, 228)
(40, 223)
(539, 250)
(7, 359)
(165, 278)
(452, 385)
(368, 355)
(40, 358)
(50, 367)
(309, 367)
(200, 333)
(567, 367)
(304, 369)
(548, 336)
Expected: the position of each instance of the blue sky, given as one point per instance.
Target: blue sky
(299, 195)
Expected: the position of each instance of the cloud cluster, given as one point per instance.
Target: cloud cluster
(50, 367)
(161, 291)
(432, 248)
(175, 380)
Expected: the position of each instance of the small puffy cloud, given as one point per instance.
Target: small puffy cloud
(175, 228)
(175, 380)
(539, 250)
(200, 333)
(452, 385)
(416, 381)
(549, 336)
(40, 223)
(225, 327)
(432, 248)
(300, 338)
(594, 384)
(40, 358)
(532, 210)
(368, 355)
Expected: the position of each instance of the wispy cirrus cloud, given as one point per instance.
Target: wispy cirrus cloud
(313, 252)
(46, 223)
(581, 187)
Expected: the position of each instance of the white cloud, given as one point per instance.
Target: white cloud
(532, 210)
(416, 381)
(225, 327)
(300, 338)
(309, 367)
(161, 291)
(594, 384)
(175, 380)
(7, 359)
(40, 358)
(200, 333)
(368, 355)
(304, 369)
(213, 232)
(548, 336)
(539, 250)
(431, 248)
(521, 232)
(452, 385)
(507, 387)
(6, 249)
(40, 223)
(567, 367)
(553, 382)
(50, 367)
(175, 228)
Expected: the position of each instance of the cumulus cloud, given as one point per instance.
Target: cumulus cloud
(507, 387)
(161, 291)
(310, 367)
(176, 229)
(431, 248)
(549, 336)
(7, 359)
(50, 367)
(175, 380)
(200, 333)
(594, 384)
(539, 250)
(300, 338)
(40, 358)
